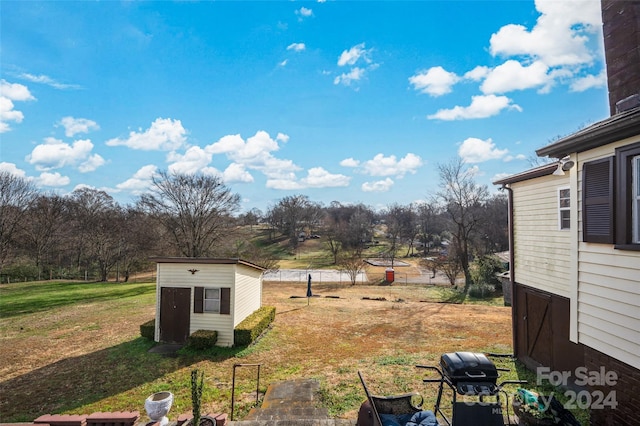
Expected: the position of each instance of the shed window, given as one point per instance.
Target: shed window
(212, 300)
(564, 208)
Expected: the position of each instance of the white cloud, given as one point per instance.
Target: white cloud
(7, 113)
(54, 154)
(236, 173)
(52, 179)
(478, 73)
(356, 74)
(164, 134)
(44, 79)
(391, 166)
(351, 56)
(499, 176)
(93, 162)
(589, 81)
(304, 12)
(256, 153)
(73, 126)
(378, 186)
(192, 161)
(13, 169)
(559, 36)
(509, 158)
(283, 63)
(436, 81)
(283, 184)
(481, 107)
(15, 91)
(296, 47)
(10, 92)
(512, 75)
(318, 177)
(349, 162)
(474, 150)
(140, 181)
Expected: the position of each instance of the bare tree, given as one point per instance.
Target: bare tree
(16, 195)
(290, 216)
(398, 220)
(98, 225)
(41, 230)
(429, 225)
(196, 210)
(494, 229)
(462, 199)
(352, 264)
(448, 264)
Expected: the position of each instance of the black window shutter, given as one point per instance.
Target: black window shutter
(597, 201)
(225, 301)
(198, 300)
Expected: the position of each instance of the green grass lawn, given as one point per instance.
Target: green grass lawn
(74, 348)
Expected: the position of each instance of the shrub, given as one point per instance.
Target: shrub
(253, 325)
(482, 290)
(202, 339)
(485, 270)
(148, 329)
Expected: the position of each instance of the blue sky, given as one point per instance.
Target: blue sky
(356, 102)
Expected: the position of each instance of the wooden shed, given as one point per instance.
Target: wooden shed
(204, 294)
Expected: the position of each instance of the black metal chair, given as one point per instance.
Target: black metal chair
(370, 410)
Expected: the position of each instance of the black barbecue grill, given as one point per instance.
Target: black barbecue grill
(472, 375)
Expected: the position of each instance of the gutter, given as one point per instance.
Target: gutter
(512, 267)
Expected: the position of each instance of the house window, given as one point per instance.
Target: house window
(628, 197)
(603, 181)
(564, 208)
(636, 199)
(212, 300)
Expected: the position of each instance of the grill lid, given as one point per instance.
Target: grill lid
(468, 367)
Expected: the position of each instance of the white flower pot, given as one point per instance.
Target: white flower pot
(158, 405)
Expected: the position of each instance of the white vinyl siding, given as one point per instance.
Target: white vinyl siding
(542, 252)
(248, 293)
(608, 287)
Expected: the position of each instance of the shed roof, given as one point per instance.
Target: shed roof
(207, 260)
(536, 172)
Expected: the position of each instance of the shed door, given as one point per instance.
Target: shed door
(534, 326)
(175, 311)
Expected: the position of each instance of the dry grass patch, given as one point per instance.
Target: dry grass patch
(89, 357)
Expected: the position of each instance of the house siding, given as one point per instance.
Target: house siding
(542, 258)
(248, 293)
(608, 299)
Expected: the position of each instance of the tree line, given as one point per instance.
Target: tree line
(88, 235)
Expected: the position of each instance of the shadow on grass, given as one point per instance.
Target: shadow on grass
(71, 383)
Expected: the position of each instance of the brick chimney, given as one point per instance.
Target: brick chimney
(621, 30)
